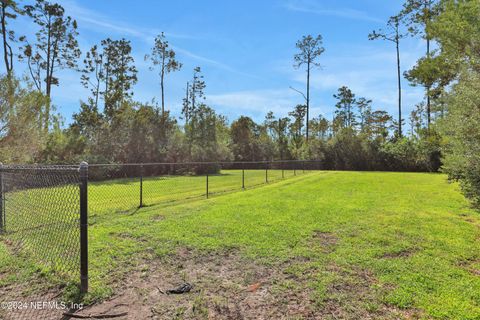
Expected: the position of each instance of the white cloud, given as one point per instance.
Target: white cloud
(258, 101)
(100, 23)
(212, 62)
(368, 72)
(311, 7)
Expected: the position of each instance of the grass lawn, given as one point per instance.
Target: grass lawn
(124, 195)
(333, 245)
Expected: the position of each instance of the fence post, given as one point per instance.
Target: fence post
(2, 217)
(243, 176)
(141, 186)
(283, 170)
(207, 185)
(266, 172)
(303, 166)
(83, 227)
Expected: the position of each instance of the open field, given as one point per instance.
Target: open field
(331, 245)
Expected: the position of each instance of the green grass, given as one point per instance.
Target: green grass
(123, 195)
(413, 233)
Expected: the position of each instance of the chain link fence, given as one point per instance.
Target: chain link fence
(127, 187)
(44, 209)
(40, 211)
(40, 214)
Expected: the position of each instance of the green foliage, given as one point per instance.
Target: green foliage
(455, 28)
(203, 137)
(244, 141)
(22, 117)
(345, 112)
(93, 72)
(56, 45)
(346, 151)
(139, 133)
(310, 49)
(136, 133)
(163, 58)
(296, 130)
(414, 154)
(9, 11)
(461, 128)
(277, 129)
(119, 76)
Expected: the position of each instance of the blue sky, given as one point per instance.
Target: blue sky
(245, 49)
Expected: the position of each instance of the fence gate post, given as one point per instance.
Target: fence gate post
(2, 215)
(141, 186)
(84, 227)
(206, 193)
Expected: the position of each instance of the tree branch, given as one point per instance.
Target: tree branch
(33, 76)
(298, 91)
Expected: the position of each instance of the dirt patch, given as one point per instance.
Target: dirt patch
(405, 253)
(471, 221)
(355, 294)
(226, 286)
(23, 301)
(158, 217)
(128, 236)
(475, 272)
(327, 241)
(229, 286)
(471, 265)
(468, 261)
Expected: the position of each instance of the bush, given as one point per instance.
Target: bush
(462, 136)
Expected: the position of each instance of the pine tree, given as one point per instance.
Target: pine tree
(163, 58)
(393, 34)
(310, 51)
(56, 47)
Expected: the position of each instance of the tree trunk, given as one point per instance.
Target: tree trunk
(162, 75)
(8, 56)
(428, 4)
(8, 64)
(308, 99)
(97, 93)
(97, 89)
(429, 107)
(48, 78)
(399, 87)
(186, 106)
(107, 75)
(193, 96)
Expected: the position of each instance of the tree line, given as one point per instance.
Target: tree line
(111, 126)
